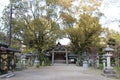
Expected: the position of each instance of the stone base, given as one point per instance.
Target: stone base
(8, 75)
(18, 69)
(109, 72)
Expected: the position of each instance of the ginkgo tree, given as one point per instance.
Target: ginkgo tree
(31, 26)
(83, 30)
(85, 34)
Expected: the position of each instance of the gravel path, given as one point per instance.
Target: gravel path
(59, 72)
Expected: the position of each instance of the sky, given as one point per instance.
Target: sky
(110, 9)
(3, 3)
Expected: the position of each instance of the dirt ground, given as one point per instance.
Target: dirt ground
(59, 72)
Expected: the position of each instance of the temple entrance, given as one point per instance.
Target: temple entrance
(59, 58)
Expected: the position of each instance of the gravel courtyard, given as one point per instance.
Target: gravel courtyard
(58, 72)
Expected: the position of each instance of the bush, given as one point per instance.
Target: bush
(117, 69)
(101, 66)
(38, 65)
(47, 62)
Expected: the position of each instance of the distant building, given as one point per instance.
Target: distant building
(60, 54)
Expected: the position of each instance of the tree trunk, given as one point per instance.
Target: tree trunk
(80, 58)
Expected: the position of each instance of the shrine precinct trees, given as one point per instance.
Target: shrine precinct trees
(113, 39)
(33, 24)
(85, 34)
(85, 30)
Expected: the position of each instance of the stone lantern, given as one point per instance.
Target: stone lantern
(108, 70)
(108, 56)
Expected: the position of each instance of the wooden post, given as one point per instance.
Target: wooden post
(66, 56)
(52, 56)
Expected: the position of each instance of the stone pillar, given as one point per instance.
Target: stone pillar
(97, 63)
(108, 55)
(104, 64)
(52, 56)
(66, 57)
(36, 62)
(108, 62)
(24, 63)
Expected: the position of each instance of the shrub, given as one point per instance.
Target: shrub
(101, 66)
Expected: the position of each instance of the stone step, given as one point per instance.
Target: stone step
(109, 73)
(10, 75)
(7, 75)
(3, 76)
(60, 61)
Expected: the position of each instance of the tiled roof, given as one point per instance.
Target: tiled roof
(4, 47)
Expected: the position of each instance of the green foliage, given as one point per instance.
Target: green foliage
(112, 36)
(101, 66)
(112, 42)
(90, 6)
(64, 3)
(37, 26)
(101, 53)
(38, 65)
(85, 34)
(3, 37)
(43, 33)
(117, 69)
(118, 56)
(113, 39)
(47, 62)
(28, 50)
(67, 19)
